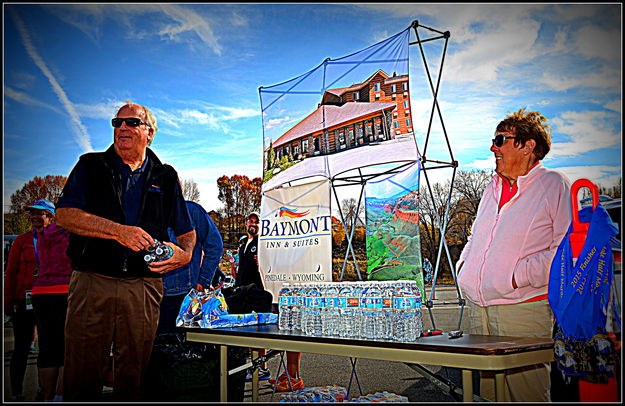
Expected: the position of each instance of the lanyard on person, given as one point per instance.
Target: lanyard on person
(35, 244)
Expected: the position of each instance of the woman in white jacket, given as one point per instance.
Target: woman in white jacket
(503, 270)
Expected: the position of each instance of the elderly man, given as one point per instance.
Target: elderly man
(116, 203)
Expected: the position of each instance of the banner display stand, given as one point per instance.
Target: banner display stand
(314, 149)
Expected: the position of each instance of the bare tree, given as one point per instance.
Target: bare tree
(350, 214)
(464, 199)
(468, 189)
(613, 191)
(190, 190)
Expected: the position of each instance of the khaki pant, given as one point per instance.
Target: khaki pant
(527, 384)
(102, 310)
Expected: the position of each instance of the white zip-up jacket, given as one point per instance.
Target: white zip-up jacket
(519, 240)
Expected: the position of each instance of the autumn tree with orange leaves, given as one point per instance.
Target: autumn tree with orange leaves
(49, 187)
(240, 195)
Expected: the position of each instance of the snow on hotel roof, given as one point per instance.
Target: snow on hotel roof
(334, 116)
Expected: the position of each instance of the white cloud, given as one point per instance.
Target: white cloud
(277, 122)
(596, 42)
(481, 164)
(606, 78)
(499, 45)
(105, 110)
(23, 98)
(182, 24)
(587, 131)
(599, 175)
(188, 21)
(80, 132)
(212, 116)
(614, 105)
(568, 13)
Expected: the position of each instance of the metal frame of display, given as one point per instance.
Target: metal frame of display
(343, 179)
(426, 165)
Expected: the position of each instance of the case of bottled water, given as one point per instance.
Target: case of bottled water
(363, 309)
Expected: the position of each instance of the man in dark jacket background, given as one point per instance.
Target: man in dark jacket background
(248, 271)
(116, 203)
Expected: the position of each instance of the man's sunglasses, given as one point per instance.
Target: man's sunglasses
(500, 139)
(130, 122)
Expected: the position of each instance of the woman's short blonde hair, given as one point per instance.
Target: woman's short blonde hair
(528, 125)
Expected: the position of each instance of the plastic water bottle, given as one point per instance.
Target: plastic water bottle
(285, 314)
(378, 308)
(323, 293)
(405, 307)
(363, 310)
(417, 320)
(387, 309)
(331, 319)
(373, 307)
(346, 312)
(357, 301)
(314, 323)
(296, 308)
(304, 314)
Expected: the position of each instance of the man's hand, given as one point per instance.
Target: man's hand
(182, 254)
(134, 238)
(174, 262)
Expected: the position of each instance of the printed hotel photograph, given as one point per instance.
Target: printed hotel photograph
(367, 113)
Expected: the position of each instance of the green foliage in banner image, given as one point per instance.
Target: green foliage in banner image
(393, 247)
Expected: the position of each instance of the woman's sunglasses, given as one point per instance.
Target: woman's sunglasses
(130, 122)
(500, 139)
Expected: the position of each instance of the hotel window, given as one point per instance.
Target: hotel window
(408, 123)
(369, 128)
(351, 135)
(393, 88)
(376, 87)
(286, 150)
(305, 146)
(406, 105)
(395, 124)
(295, 149)
(342, 138)
(356, 96)
(404, 86)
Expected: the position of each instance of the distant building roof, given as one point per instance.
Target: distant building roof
(334, 116)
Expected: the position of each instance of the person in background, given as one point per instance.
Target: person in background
(22, 267)
(504, 268)
(50, 304)
(116, 203)
(198, 273)
(293, 360)
(249, 273)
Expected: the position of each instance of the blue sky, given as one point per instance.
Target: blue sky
(198, 67)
